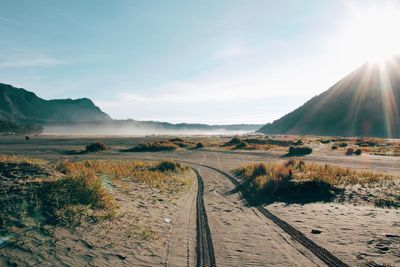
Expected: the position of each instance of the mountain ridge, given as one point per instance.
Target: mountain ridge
(21, 105)
(364, 103)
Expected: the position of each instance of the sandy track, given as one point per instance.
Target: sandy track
(180, 250)
(240, 236)
(317, 250)
(204, 246)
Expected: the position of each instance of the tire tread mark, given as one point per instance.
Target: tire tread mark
(320, 252)
(204, 246)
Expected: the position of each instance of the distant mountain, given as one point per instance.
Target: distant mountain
(23, 108)
(365, 103)
(20, 105)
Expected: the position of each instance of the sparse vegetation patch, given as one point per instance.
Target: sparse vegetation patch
(154, 147)
(36, 193)
(297, 181)
(199, 145)
(299, 151)
(233, 142)
(95, 147)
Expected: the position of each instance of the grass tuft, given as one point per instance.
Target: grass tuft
(95, 147)
(299, 151)
(154, 147)
(296, 180)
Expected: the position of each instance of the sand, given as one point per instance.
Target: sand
(359, 235)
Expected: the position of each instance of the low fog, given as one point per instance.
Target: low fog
(135, 130)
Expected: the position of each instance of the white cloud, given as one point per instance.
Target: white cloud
(18, 62)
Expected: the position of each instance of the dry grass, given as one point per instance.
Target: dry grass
(299, 151)
(94, 147)
(368, 145)
(300, 182)
(301, 171)
(74, 192)
(166, 175)
(154, 147)
(80, 194)
(21, 159)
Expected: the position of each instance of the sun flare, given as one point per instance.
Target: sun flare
(372, 33)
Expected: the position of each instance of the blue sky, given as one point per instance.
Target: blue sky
(190, 61)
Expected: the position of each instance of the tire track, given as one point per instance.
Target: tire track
(204, 246)
(320, 252)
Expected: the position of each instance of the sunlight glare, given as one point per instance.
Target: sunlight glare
(373, 34)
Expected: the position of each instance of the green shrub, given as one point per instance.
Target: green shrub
(349, 152)
(98, 146)
(154, 147)
(299, 151)
(199, 145)
(233, 142)
(169, 165)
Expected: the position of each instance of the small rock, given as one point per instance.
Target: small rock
(316, 231)
(167, 220)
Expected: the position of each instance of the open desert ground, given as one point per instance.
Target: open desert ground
(208, 220)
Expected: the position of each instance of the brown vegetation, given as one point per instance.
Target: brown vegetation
(33, 191)
(154, 147)
(233, 142)
(199, 145)
(299, 151)
(94, 147)
(295, 180)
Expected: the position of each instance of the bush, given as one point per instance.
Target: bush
(241, 145)
(327, 141)
(342, 145)
(299, 151)
(268, 141)
(357, 152)
(233, 142)
(334, 147)
(169, 165)
(349, 152)
(199, 145)
(153, 147)
(366, 143)
(259, 170)
(179, 142)
(173, 140)
(98, 146)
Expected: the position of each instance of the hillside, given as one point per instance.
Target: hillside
(24, 108)
(20, 105)
(364, 103)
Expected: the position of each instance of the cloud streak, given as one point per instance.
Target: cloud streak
(33, 62)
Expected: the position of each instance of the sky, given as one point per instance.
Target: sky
(216, 62)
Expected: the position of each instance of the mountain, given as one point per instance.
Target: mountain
(21, 109)
(364, 103)
(20, 105)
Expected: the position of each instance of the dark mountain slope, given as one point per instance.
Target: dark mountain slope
(365, 103)
(19, 105)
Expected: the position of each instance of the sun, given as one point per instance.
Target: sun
(372, 34)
